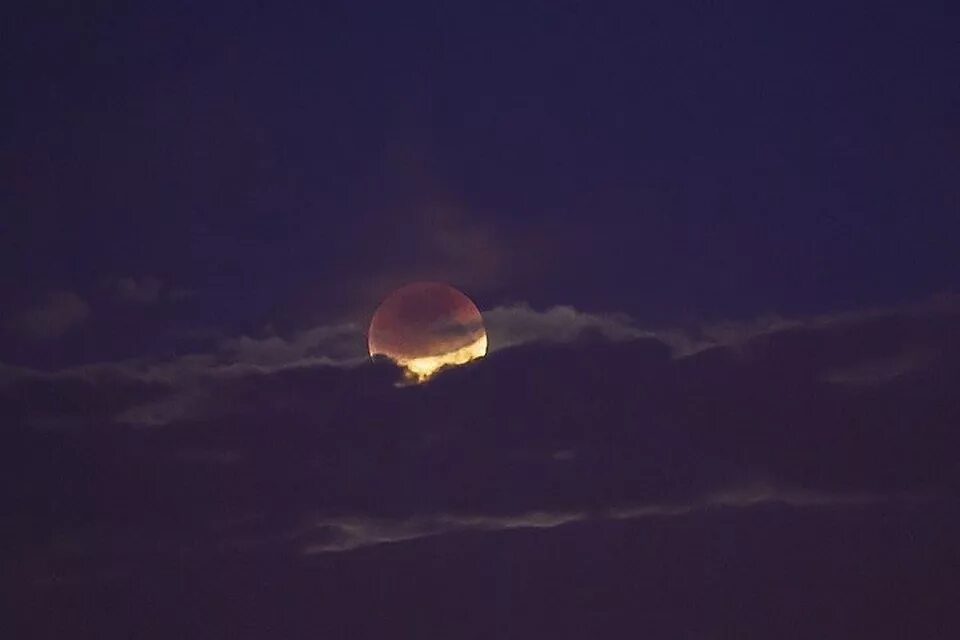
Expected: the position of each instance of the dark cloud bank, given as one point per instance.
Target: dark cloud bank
(778, 479)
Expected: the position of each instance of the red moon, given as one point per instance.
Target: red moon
(425, 326)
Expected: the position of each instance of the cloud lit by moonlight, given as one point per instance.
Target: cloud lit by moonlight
(426, 326)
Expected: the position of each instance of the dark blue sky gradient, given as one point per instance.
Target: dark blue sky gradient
(671, 161)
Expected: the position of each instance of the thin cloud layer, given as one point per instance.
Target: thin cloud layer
(53, 316)
(339, 534)
(517, 324)
(145, 290)
(185, 387)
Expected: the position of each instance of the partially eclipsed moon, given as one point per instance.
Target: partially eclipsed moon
(425, 326)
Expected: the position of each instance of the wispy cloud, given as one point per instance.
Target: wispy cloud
(53, 316)
(338, 534)
(517, 324)
(689, 341)
(145, 290)
(192, 379)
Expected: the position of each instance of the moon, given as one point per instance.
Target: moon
(425, 326)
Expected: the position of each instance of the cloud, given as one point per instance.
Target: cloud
(338, 534)
(188, 381)
(265, 445)
(171, 408)
(882, 370)
(337, 344)
(181, 293)
(517, 324)
(192, 378)
(348, 533)
(464, 250)
(52, 317)
(145, 290)
(867, 347)
(434, 235)
(689, 341)
(513, 325)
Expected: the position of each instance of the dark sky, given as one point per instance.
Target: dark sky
(716, 250)
(662, 159)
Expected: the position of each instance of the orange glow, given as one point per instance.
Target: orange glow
(423, 368)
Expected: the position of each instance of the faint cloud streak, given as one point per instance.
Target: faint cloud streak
(339, 534)
(55, 315)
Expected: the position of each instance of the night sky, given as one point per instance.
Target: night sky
(716, 247)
